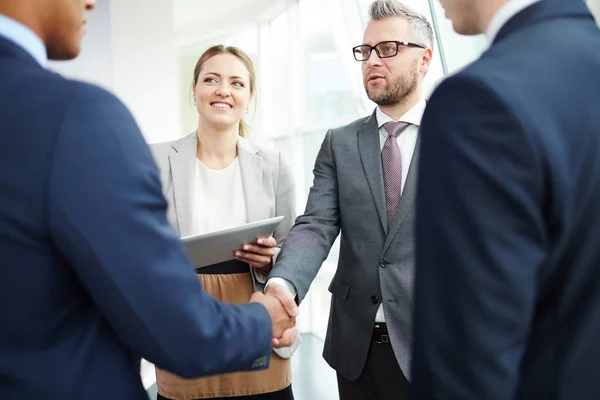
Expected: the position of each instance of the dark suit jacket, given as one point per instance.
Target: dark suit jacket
(93, 277)
(508, 218)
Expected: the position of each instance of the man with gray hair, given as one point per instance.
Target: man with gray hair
(364, 186)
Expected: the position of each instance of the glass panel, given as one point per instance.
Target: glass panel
(329, 101)
(459, 50)
(279, 55)
(246, 39)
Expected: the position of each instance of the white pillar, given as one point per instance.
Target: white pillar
(145, 73)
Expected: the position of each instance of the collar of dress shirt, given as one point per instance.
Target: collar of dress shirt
(412, 116)
(24, 37)
(504, 14)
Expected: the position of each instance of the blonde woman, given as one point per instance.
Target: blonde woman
(215, 178)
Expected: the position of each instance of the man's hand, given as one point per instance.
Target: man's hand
(258, 254)
(282, 294)
(284, 329)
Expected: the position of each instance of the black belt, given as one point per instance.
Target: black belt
(380, 333)
(227, 267)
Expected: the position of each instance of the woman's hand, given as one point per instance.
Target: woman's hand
(258, 254)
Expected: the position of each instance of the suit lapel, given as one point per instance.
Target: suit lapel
(251, 169)
(542, 11)
(407, 200)
(183, 167)
(369, 148)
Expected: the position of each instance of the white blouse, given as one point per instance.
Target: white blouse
(218, 198)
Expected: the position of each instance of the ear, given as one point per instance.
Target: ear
(426, 60)
(194, 93)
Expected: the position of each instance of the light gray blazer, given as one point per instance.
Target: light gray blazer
(376, 265)
(266, 180)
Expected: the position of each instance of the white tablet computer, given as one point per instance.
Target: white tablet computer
(216, 247)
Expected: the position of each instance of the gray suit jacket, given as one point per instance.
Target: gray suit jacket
(374, 265)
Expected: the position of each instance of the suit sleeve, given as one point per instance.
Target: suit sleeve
(285, 204)
(480, 240)
(310, 239)
(107, 218)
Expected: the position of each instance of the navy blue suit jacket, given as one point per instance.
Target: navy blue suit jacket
(92, 276)
(507, 302)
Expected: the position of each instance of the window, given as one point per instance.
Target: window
(329, 101)
(279, 55)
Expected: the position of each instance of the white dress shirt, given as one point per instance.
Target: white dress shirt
(24, 37)
(504, 14)
(407, 142)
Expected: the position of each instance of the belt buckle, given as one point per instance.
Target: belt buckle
(385, 338)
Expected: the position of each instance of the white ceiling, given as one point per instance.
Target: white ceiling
(194, 20)
(188, 13)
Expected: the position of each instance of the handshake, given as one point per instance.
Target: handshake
(283, 310)
(277, 299)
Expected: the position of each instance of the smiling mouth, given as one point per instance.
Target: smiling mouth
(221, 105)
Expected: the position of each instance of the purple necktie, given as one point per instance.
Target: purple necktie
(391, 162)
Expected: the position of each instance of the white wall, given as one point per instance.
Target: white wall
(145, 65)
(94, 64)
(129, 49)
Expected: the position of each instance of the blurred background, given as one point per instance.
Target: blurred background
(307, 82)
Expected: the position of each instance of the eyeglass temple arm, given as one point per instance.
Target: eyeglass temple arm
(410, 44)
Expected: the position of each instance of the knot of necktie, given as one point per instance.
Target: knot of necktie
(394, 128)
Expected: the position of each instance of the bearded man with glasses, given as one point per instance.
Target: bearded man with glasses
(364, 186)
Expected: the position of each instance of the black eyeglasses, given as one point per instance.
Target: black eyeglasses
(384, 49)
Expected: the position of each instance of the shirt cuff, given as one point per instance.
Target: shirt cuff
(283, 282)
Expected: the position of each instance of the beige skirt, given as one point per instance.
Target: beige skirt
(237, 289)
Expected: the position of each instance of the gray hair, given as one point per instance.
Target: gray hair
(383, 9)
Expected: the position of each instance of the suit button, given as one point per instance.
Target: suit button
(375, 299)
(383, 263)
